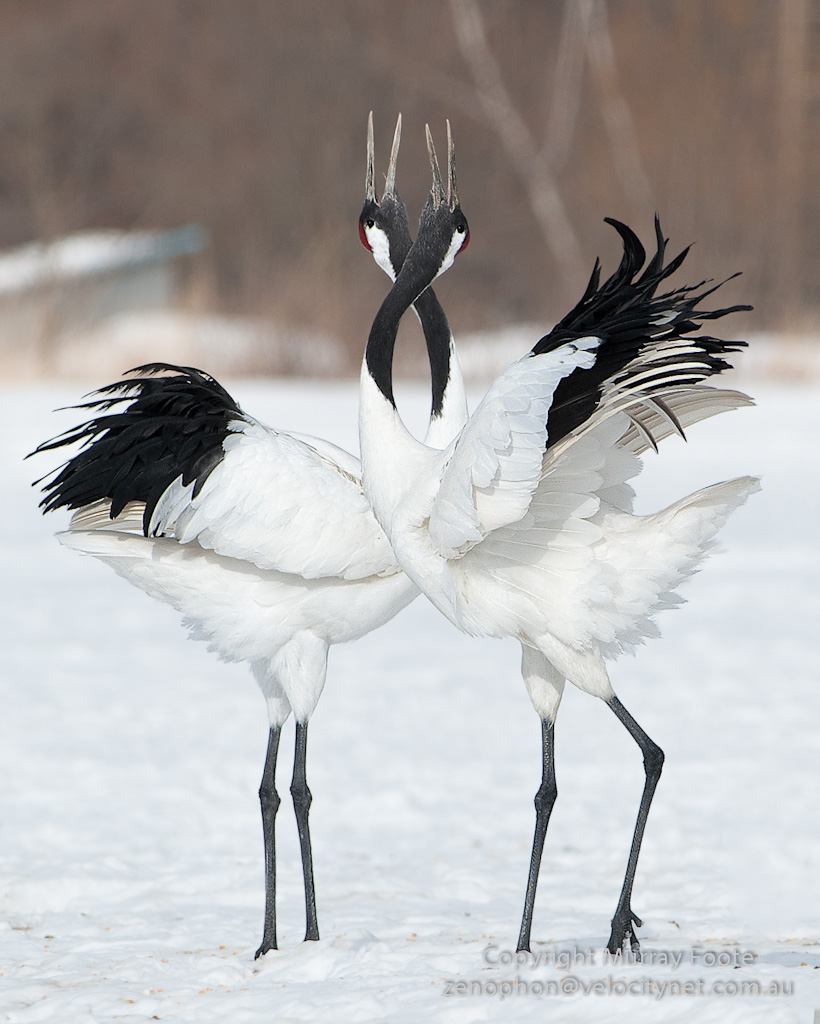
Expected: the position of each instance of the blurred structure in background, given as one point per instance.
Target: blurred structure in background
(57, 296)
(248, 119)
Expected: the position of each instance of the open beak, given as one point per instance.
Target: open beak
(370, 179)
(440, 195)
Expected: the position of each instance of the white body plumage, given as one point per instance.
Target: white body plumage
(524, 526)
(510, 538)
(277, 558)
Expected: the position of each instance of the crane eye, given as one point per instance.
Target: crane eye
(462, 229)
(370, 222)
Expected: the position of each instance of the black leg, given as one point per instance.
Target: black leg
(301, 805)
(544, 801)
(269, 801)
(624, 920)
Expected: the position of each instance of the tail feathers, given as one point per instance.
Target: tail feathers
(156, 566)
(685, 532)
(649, 556)
(106, 542)
(226, 604)
(716, 503)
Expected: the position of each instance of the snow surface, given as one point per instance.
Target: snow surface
(131, 881)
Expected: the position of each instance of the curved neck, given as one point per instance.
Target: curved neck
(448, 406)
(415, 276)
(391, 456)
(437, 336)
(390, 245)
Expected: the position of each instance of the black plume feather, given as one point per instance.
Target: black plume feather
(641, 333)
(173, 426)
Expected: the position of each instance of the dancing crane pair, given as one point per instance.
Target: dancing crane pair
(516, 521)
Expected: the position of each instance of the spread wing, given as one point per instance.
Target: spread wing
(283, 503)
(623, 352)
(496, 462)
(182, 460)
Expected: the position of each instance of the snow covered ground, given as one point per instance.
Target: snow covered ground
(131, 884)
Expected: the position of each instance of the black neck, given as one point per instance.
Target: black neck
(419, 270)
(379, 354)
(433, 320)
(437, 335)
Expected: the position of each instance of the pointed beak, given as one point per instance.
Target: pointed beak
(440, 195)
(390, 184)
(437, 190)
(370, 178)
(452, 189)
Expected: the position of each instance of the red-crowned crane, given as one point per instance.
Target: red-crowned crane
(261, 538)
(384, 230)
(523, 526)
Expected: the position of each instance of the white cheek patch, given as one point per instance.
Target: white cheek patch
(380, 244)
(455, 244)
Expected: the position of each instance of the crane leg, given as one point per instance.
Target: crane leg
(301, 805)
(544, 802)
(624, 921)
(269, 801)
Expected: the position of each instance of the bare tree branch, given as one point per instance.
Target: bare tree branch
(793, 22)
(615, 110)
(565, 98)
(500, 112)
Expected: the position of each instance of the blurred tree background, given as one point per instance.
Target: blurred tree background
(248, 117)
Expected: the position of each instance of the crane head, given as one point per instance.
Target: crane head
(443, 229)
(383, 227)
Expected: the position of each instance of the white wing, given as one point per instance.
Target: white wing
(278, 501)
(496, 462)
(626, 432)
(578, 563)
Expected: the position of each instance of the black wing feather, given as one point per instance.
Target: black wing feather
(631, 319)
(173, 425)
